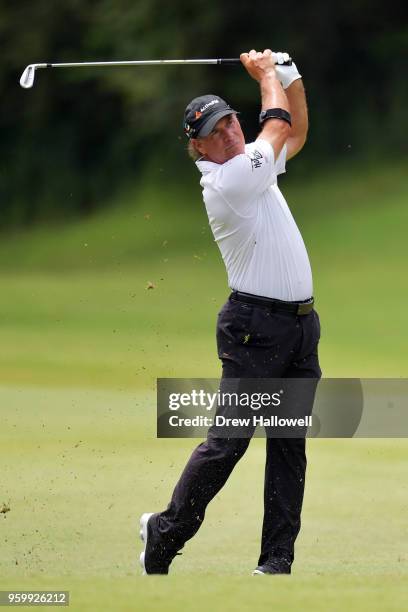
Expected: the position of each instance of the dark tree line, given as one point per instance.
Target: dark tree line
(72, 140)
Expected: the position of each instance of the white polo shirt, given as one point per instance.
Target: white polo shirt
(260, 243)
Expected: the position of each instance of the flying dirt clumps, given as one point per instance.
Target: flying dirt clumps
(4, 509)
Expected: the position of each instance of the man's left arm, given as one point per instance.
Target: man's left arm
(291, 81)
(296, 96)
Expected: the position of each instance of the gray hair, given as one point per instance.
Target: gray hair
(192, 151)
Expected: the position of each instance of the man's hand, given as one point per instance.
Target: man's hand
(258, 65)
(286, 74)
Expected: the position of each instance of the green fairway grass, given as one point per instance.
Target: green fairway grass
(80, 466)
(82, 342)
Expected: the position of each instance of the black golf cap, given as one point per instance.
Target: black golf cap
(202, 114)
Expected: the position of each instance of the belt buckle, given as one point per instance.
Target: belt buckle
(304, 309)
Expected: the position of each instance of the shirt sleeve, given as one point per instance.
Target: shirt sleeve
(280, 164)
(249, 174)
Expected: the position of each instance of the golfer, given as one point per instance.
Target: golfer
(268, 328)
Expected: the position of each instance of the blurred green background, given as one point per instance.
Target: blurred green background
(99, 202)
(69, 144)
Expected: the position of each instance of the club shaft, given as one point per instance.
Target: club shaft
(143, 63)
(220, 60)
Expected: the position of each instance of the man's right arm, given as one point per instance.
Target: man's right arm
(261, 67)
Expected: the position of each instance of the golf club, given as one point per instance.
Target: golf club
(27, 78)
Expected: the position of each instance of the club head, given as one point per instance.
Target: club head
(27, 78)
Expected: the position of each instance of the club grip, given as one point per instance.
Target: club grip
(229, 60)
(236, 60)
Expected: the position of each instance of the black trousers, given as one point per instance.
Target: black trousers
(253, 342)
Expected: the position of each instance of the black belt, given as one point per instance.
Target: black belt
(298, 308)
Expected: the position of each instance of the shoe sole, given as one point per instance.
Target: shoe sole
(144, 519)
(257, 572)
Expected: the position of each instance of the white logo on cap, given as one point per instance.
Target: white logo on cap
(215, 101)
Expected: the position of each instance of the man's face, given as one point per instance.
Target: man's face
(224, 142)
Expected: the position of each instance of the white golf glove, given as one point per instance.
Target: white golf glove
(286, 74)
